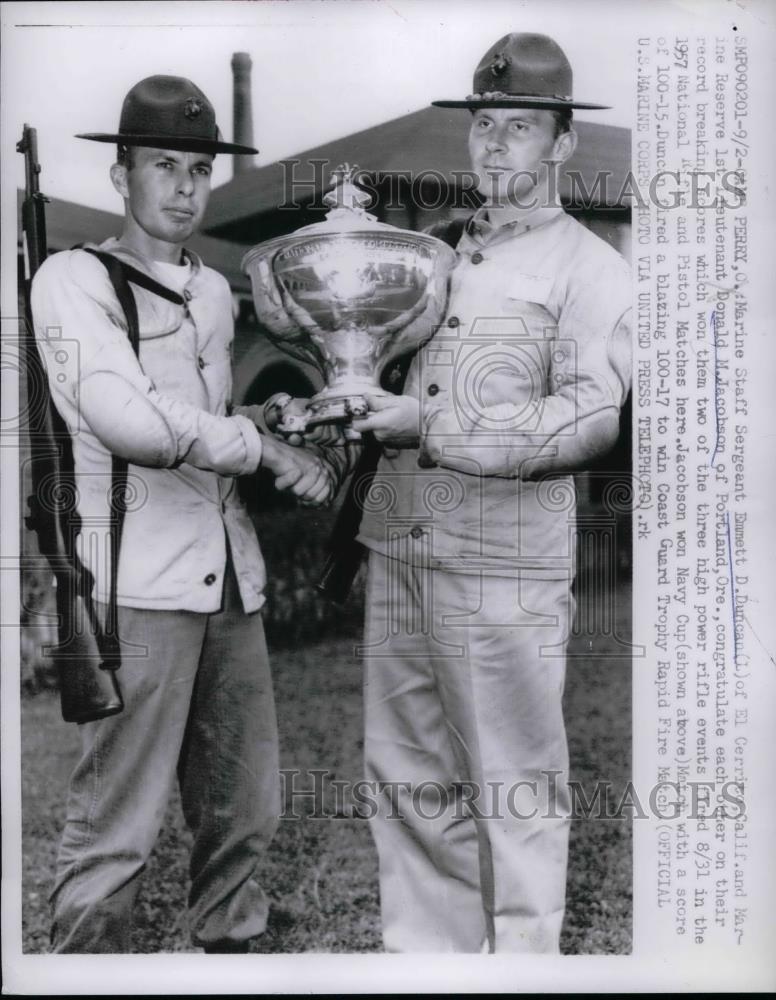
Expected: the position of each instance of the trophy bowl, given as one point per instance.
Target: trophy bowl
(348, 295)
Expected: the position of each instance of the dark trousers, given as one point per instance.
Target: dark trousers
(199, 704)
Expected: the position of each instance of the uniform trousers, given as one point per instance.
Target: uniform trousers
(199, 703)
(465, 747)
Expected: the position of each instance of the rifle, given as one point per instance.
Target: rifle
(87, 653)
(344, 553)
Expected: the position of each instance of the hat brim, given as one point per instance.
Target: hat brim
(548, 103)
(170, 142)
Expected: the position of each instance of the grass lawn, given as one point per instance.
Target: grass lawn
(322, 873)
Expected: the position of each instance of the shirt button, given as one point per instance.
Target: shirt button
(210, 579)
(453, 322)
(201, 363)
(433, 389)
(416, 532)
(477, 258)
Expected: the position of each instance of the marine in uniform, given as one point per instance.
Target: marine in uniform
(195, 675)
(470, 529)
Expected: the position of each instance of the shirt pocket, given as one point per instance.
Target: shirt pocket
(522, 376)
(529, 288)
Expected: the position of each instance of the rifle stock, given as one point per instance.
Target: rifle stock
(86, 656)
(344, 553)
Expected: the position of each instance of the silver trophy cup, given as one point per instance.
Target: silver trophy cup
(348, 295)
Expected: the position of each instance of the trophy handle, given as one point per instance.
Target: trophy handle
(407, 317)
(300, 316)
(298, 313)
(403, 322)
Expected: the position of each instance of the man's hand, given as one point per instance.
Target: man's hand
(326, 435)
(393, 419)
(299, 471)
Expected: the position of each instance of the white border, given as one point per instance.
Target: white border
(753, 968)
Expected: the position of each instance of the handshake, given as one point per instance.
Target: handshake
(300, 470)
(294, 456)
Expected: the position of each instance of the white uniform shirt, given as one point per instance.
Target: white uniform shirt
(526, 376)
(165, 415)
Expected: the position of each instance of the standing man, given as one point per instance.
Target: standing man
(470, 528)
(194, 675)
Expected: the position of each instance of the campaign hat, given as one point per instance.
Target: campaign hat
(522, 70)
(168, 112)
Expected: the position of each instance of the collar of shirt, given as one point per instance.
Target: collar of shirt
(482, 231)
(123, 252)
(176, 276)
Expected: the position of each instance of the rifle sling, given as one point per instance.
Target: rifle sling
(120, 275)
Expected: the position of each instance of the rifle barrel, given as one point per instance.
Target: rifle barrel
(33, 211)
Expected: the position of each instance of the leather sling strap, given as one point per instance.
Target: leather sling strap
(121, 275)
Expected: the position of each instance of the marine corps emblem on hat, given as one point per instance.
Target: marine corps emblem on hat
(168, 112)
(522, 70)
(192, 108)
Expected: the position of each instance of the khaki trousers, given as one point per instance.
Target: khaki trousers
(466, 746)
(198, 704)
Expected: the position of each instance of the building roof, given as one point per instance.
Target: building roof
(68, 224)
(249, 208)
(428, 140)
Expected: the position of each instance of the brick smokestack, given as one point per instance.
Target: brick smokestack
(242, 110)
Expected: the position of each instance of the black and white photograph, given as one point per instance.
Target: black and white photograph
(384, 454)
